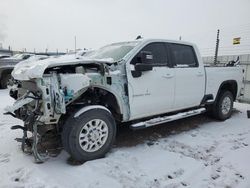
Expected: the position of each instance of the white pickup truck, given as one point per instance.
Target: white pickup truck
(78, 103)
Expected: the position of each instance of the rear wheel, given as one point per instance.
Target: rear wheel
(223, 107)
(89, 136)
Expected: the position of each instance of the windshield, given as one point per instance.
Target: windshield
(19, 56)
(112, 52)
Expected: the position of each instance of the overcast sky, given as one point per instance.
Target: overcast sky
(53, 24)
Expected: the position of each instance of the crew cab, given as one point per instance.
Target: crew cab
(79, 103)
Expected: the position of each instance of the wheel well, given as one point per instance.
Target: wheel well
(98, 96)
(3, 73)
(229, 86)
(6, 71)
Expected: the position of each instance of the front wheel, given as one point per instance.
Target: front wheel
(90, 135)
(222, 109)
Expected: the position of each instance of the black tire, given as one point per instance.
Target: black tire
(65, 133)
(5, 80)
(217, 111)
(73, 128)
(66, 128)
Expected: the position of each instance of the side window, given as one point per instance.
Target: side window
(183, 55)
(158, 51)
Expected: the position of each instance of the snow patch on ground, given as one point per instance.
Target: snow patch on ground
(214, 154)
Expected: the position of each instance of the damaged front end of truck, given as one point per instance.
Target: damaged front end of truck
(44, 101)
(50, 92)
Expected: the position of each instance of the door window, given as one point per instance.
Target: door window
(159, 53)
(183, 55)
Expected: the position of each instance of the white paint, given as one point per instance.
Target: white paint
(166, 89)
(74, 82)
(87, 108)
(152, 93)
(216, 75)
(189, 87)
(18, 104)
(35, 69)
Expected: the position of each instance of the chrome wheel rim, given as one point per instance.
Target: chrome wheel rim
(226, 105)
(93, 135)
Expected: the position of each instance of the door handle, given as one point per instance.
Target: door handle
(168, 76)
(199, 73)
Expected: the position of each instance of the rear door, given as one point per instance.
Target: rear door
(153, 92)
(190, 77)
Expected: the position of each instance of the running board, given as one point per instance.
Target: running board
(165, 119)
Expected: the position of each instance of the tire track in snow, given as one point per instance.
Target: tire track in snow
(222, 175)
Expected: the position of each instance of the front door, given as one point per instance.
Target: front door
(153, 92)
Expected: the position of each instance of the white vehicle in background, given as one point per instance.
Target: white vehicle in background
(10, 80)
(77, 54)
(30, 59)
(80, 102)
(7, 65)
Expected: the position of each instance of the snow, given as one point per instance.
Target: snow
(204, 153)
(32, 58)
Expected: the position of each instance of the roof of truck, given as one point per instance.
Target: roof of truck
(143, 41)
(149, 40)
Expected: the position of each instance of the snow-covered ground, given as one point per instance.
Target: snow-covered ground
(196, 152)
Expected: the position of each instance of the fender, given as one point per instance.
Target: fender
(229, 82)
(87, 108)
(5, 69)
(123, 106)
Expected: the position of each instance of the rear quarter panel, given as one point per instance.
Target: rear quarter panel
(217, 75)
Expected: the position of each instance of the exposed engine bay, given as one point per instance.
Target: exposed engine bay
(45, 103)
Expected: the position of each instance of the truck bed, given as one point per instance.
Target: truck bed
(216, 75)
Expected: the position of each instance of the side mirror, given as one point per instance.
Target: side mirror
(145, 61)
(143, 67)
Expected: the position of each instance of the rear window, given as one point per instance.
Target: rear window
(183, 55)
